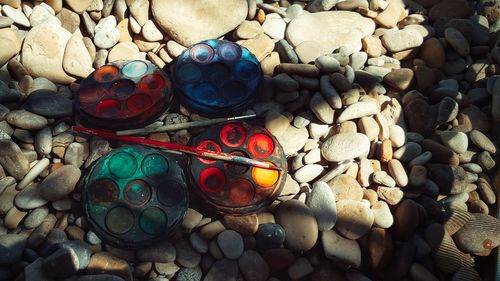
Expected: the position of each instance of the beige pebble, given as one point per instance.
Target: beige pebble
(398, 172)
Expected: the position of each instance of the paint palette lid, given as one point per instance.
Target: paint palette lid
(134, 196)
(123, 95)
(234, 188)
(217, 77)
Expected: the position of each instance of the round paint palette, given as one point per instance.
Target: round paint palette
(123, 94)
(217, 77)
(233, 188)
(134, 195)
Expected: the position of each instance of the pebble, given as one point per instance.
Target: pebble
(391, 195)
(398, 172)
(450, 179)
(34, 172)
(274, 26)
(12, 246)
(369, 127)
(293, 139)
(457, 41)
(327, 64)
(43, 141)
(331, 29)
(480, 234)
(456, 141)
(357, 110)
(222, 270)
(340, 249)
(333, 148)
(308, 173)
(26, 120)
(161, 252)
(321, 202)
(198, 243)
(106, 34)
(382, 215)
(231, 244)
(12, 159)
(354, 219)
(16, 15)
(68, 258)
(189, 274)
(399, 79)
(49, 104)
(186, 256)
(77, 60)
(407, 152)
(400, 40)
(299, 224)
(269, 236)
(482, 141)
(245, 224)
(106, 263)
(249, 262)
(184, 27)
(60, 183)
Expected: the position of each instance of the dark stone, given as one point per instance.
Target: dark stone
(49, 104)
(419, 117)
(69, 258)
(11, 248)
(450, 179)
(286, 52)
(7, 94)
(269, 236)
(189, 274)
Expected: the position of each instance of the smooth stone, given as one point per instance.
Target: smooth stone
(382, 215)
(151, 32)
(381, 177)
(357, 110)
(299, 224)
(222, 270)
(253, 266)
(320, 107)
(406, 218)
(334, 148)
(482, 141)
(269, 236)
(79, 6)
(244, 224)
(391, 195)
(34, 172)
(68, 258)
(400, 40)
(457, 41)
(30, 198)
(422, 120)
(26, 120)
(330, 29)
(69, 19)
(329, 92)
(5, 21)
(274, 26)
(327, 64)
(43, 141)
(450, 9)
(16, 15)
(42, 83)
(346, 187)
(231, 244)
(354, 219)
(390, 16)
(40, 15)
(74, 154)
(341, 249)
(60, 183)
(106, 263)
(450, 179)
(186, 256)
(399, 79)
(398, 172)
(321, 202)
(308, 173)
(189, 274)
(248, 30)
(9, 45)
(433, 53)
(181, 19)
(124, 51)
(106, 34)
(49, 104)
(293, 139)
(480, 234)
(407, 152)
(13, 160)
(369, 127)
(12, 247)
(77, 60)
(43, 52)
(454, 140)
(300, 268)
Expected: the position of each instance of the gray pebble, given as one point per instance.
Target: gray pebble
(35, 217)
(12, 247)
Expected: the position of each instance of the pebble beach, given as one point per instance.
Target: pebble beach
(388, 112)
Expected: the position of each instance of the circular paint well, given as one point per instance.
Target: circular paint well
(104, 191)
(151, 82)
(108, 108)
(154, 165)
(106, 73)
(211, 146)
(137, 192)
(153, 221)
(91, 94)
(201, 53)
(265, 177)
(234, 168)
(246, 70)
(212, 180)
(232, 135)
(260, 145)
(229, 52)
(122, 88)
(219, 73)
(119, 220)
(122, 165)
(135, 68)
(139, 103)
(189, 73)
(240, 192)
(205, 93)
(170, 193)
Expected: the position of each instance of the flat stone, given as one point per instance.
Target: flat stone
(69, 19)
(407, 152)
(327, 64)
(293, 139)
(274, 26)
(40, 15)
(480, 234)
(400, 40)
(79, 6)
(308, 173)
(12, 247)
(151, 32)
(43, 52)
(12, 159)
(26, 120)
(346, 187)
(482, 141)
(456, 141)
(433, 53)
(231, 244)
(162, 252)
(300, 268)
(16, 15)
(341, 249)
(77, 60)
(334, 148)
(222, 270)
(330, 29)
(299, 223)
(399, 79)
(358, 110)
(382, 215)
(450, 9)
(49, 104)
(354, 219)
(106, 34)
(321, 202)
(457, 41)
(139, 10)
(181, 19)
(30, 198)
(106, 263)
(246, 224)
(60, 183)
(186, 256)
(450, 179)
(248, 263)
(320, 107)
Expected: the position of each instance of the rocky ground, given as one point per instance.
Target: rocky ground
(388, 110)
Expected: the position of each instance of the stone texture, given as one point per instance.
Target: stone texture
(299, 223)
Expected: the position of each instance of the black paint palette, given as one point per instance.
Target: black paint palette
(217, 77)
(134, 196)
(232, 188)
(123, 95)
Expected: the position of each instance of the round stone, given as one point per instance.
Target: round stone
(354, 219)
(299, 223)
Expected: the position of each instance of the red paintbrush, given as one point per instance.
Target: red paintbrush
(177, 147)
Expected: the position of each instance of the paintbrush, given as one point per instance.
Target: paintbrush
(177, 147)
(180, 126)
